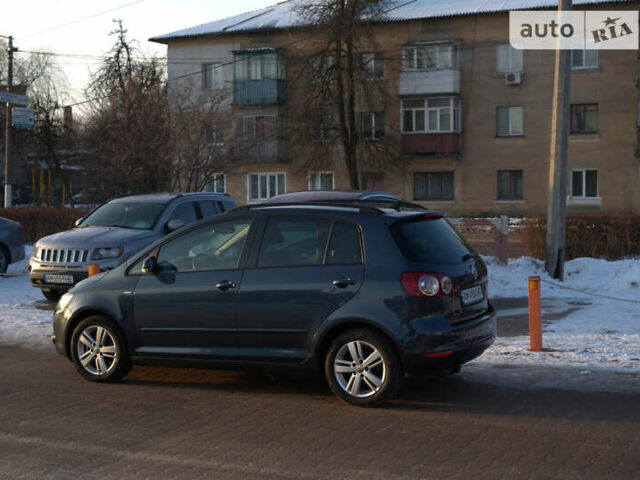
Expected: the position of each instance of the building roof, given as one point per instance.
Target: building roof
(285, 14)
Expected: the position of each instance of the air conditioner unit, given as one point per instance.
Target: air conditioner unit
(513, 78)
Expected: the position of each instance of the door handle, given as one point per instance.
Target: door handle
(343, 282)
(225, 285)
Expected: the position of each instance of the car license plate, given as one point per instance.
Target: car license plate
(68, 279)
(471, 295)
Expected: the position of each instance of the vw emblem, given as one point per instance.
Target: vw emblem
(474, 271)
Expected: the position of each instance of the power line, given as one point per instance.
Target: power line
(81, 19)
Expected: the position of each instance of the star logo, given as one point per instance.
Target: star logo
(610, 21)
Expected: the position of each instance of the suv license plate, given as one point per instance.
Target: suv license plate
(471, 295)
(68, 279)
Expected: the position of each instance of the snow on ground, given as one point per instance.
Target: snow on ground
(579, 330)
(25, 316)
(595, 332)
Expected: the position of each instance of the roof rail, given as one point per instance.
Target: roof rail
(318, 203)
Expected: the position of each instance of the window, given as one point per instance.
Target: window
(583, 59)
(290, 242)
(265, 185)
(372, 181)
(372, 125)
(259, 127)
(186, 212)
(438, 56)
(433, 186)
(431, 115)
(218, 184)
(322, 69)
(321, 181)
(322, 129)
(258, 66)
(372, 66)
(508, 59)
(212, 76)
(344, 246)
(510, 185)
(584, 118)
(584, 183)
(214, 247)
(509, 121)
(213, 134)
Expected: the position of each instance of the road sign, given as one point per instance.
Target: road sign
(15, 98)
(22, 117)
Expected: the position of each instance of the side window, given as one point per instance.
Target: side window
(213, 247)
(344, 246)
(185, 212)
(208, 208)
(293, 242)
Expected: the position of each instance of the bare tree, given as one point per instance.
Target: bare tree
(339, 88)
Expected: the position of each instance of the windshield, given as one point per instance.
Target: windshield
(431, 241)
(141, 216)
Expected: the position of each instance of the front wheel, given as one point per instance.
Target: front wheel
(98, 350)
(52, 295)
(362, 368)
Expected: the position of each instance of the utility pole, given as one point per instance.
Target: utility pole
(7, 129)
(557, 198)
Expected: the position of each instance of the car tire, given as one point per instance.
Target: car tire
(4, 259)
(98, 350)
(52, 295)
(369, 379)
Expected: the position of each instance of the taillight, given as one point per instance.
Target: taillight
(21, 229)
(422, 284)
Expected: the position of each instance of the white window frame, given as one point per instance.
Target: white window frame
(410, 56)
(314, 178)
(267, 175)
(215, 71)
(370, 61)
(217, 178)
(371, 135)
(454, 107)
(510, 59)
(510, 132)
(584, 184)
(584, 59)
(244, 133)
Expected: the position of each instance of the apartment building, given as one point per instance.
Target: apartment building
(466, 118)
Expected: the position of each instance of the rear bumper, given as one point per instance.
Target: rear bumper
(451, 346)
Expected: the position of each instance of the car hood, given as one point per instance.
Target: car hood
(90, 237)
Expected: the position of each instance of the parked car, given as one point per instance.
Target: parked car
(113, 232)
(365, 293)
(11, 243)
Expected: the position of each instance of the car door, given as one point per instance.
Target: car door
(303, 270)
(188, 306)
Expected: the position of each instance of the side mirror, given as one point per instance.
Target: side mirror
(79, 221)
(174, 224)
(149, 266)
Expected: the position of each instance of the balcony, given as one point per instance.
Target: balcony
(260, 150)
(260, 92)
(429, 82)
(430, 143)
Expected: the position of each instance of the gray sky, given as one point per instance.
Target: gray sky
(60, 26)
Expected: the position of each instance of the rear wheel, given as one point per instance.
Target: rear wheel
(52, 295)
(98, 350)
(362, 368)
(4, 259)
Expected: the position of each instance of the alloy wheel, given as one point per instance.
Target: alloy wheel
(359, 368)
(97, 350)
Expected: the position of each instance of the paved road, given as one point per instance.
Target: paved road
(177, 423)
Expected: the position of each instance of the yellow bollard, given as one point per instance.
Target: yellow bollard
(535, 325)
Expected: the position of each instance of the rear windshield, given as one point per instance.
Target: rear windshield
(140, 216)
(430, 241)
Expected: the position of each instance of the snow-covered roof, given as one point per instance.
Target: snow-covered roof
(286, 15)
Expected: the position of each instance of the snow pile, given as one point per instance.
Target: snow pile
(596, 332)
(25, 317)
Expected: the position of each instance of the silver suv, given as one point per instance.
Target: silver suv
(113, 232)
